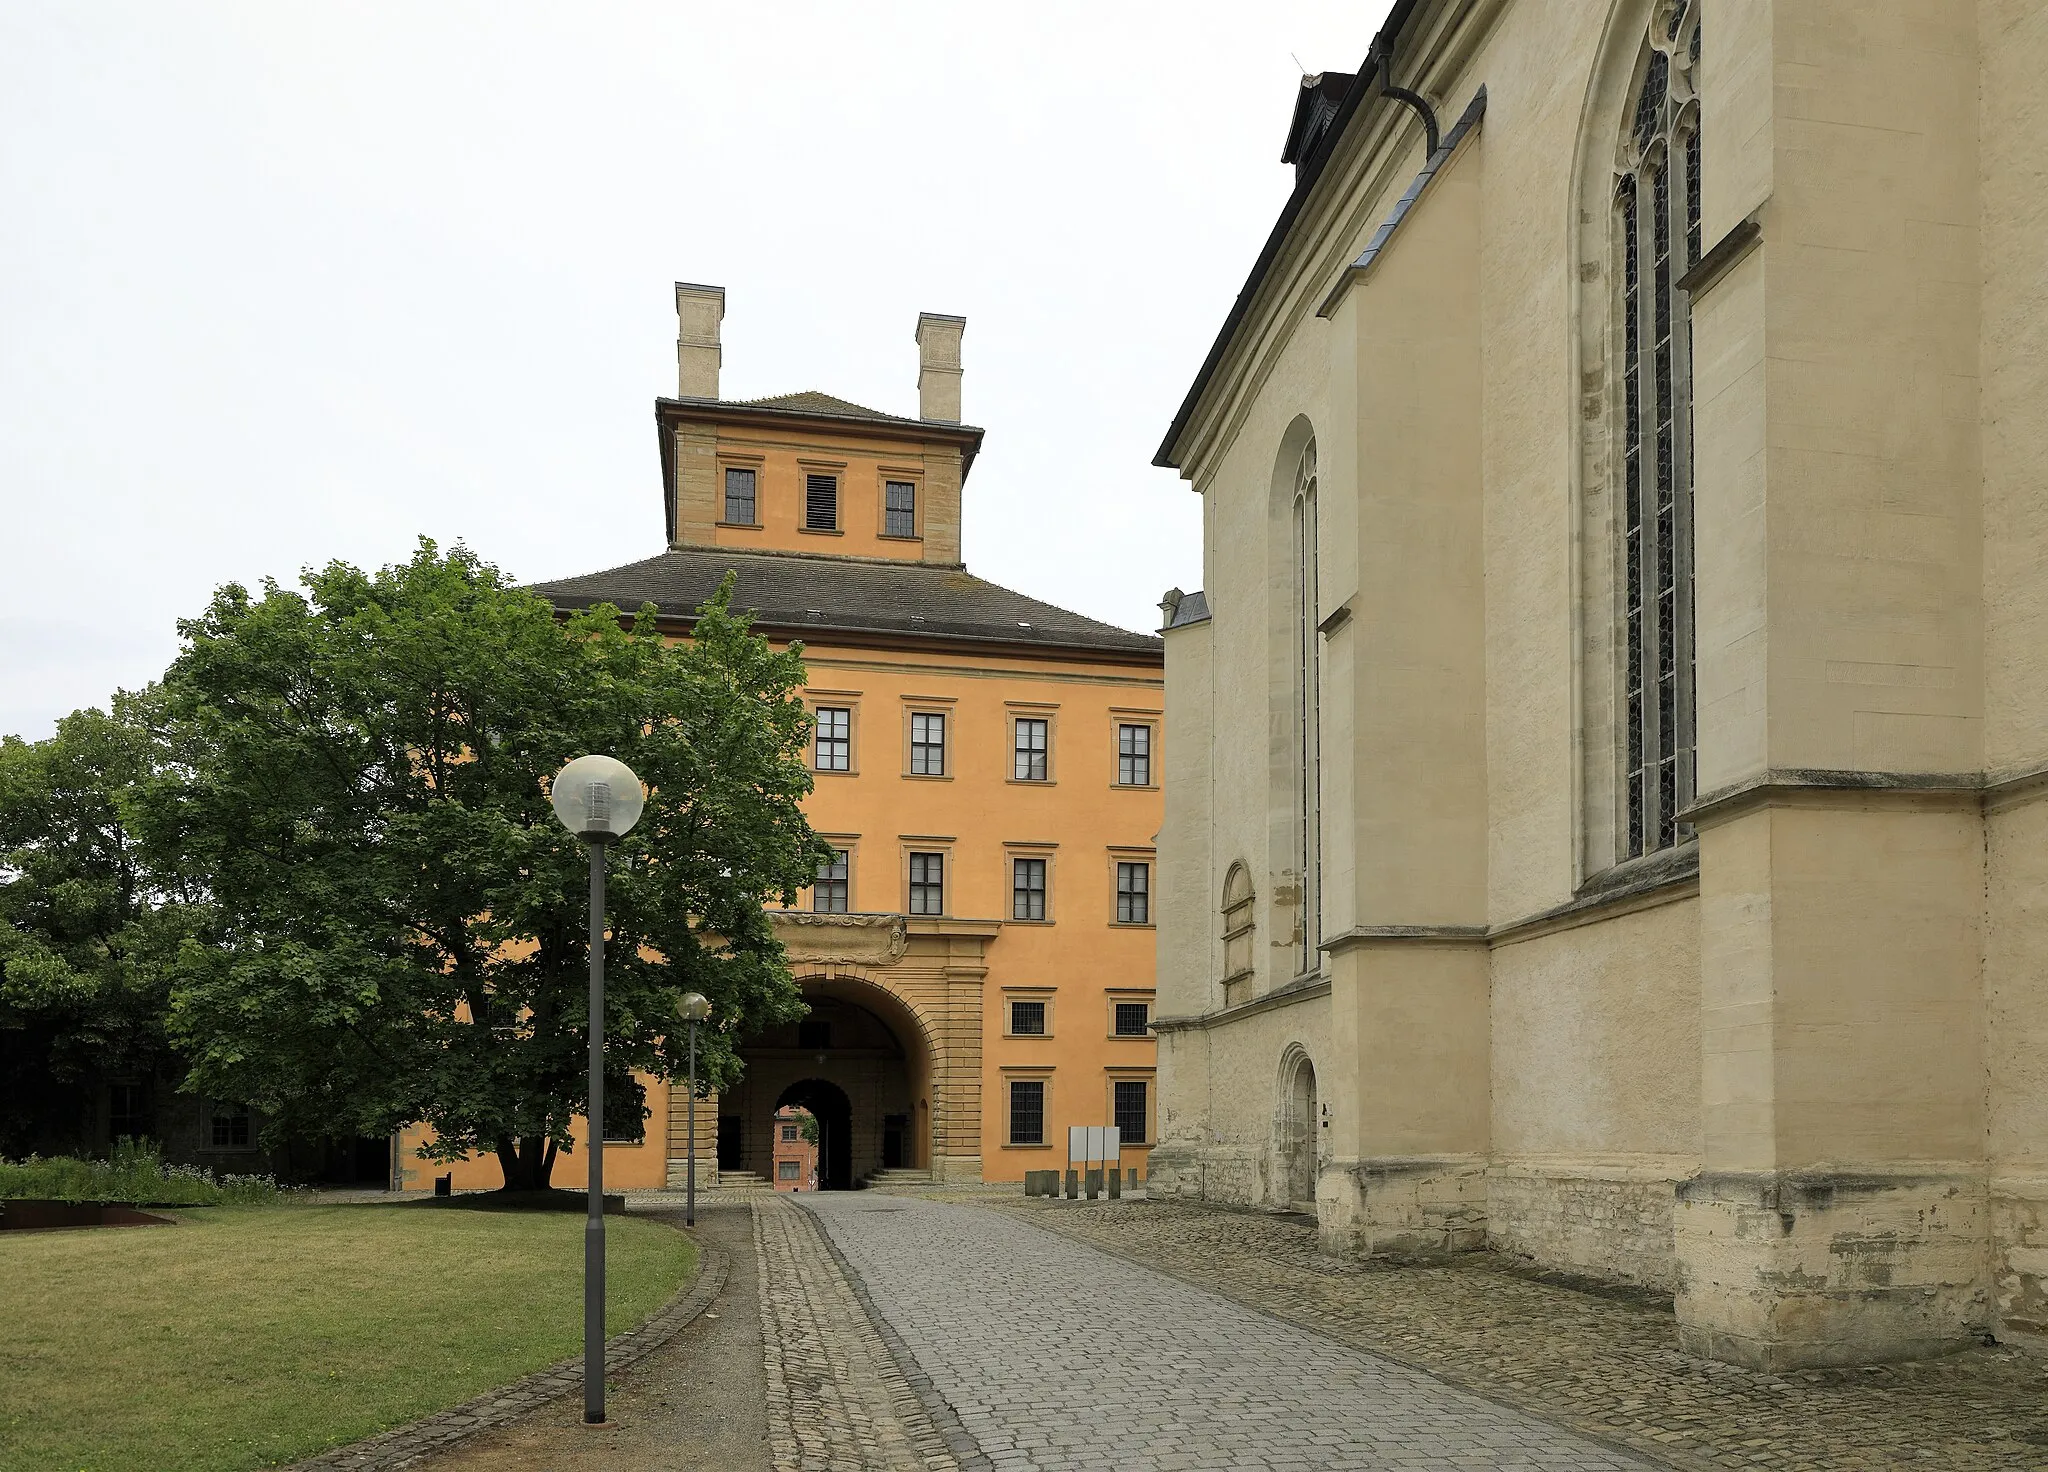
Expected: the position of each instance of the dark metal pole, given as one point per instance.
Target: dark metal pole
(690, 1171)
(593, 1227)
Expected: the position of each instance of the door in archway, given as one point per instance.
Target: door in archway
(828, 1104)
(1301, 1138)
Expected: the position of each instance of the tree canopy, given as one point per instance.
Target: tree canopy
(87, 930)
(356, 777)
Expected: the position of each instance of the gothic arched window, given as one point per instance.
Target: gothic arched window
(1308, 715)
(1657, 228)
(1239, 922)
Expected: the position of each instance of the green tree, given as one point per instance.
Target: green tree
(87, 931)
(357, 777)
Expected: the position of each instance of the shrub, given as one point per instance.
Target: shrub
(135, 1172)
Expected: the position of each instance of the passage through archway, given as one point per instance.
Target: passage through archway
(863, 1075)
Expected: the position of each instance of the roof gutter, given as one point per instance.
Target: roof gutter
(1378, 57)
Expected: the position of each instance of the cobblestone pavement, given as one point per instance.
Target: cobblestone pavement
(1605, 1365)
(838, 1398)
(1054, 1356)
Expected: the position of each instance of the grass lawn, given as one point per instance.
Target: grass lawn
(250, 1336)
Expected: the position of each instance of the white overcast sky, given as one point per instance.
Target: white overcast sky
(281, 283)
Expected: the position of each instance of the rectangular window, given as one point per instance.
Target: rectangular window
(927, 884)
(829, 894)
(739, 496)
(927, 744)
(785, 1170)
(1030, 752)
(1134, 756)
(1027, 1019)
(128, 1112)
(1130, 1110)
(834, 738)
(1027, 889)
(821, 503)
(1133, 894)
(1027, 1111)
(230, 1127)
(789, 1134)
(900, 507)
(1133, 1019)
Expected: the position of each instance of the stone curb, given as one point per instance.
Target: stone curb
(958, 1439)
(405, 1445)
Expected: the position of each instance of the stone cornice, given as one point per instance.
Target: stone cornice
(1286, 996)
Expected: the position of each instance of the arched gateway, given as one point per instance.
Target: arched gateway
(889, 1057)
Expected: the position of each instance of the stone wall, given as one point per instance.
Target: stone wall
(1601, 1222)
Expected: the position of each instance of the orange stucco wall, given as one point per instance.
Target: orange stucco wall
(861, 465)
(1080, 821)
(634, 1167)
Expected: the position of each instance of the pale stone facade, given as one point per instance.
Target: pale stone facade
(1754, 1005)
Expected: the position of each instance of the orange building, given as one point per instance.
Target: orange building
(979, 956)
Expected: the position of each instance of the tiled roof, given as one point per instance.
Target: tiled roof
(810, 401)
(833, 594)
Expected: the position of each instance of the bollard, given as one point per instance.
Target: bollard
(1093, 1183)
(445, 1185)
(1073, 1184)
(1116, 1184)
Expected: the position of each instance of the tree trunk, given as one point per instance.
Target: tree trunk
(527, 1163)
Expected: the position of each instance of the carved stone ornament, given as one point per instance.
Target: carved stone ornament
(861, 940)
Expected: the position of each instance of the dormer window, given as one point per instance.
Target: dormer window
(821, 502)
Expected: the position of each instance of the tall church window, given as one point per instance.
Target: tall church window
(1308, 691)
(1657, 229)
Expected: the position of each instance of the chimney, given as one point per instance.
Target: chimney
(938, 366)
(699, 310)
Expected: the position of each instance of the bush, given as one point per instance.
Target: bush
(134, 1173)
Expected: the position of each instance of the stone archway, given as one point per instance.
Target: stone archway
(1298, 1136)
(828, 1104)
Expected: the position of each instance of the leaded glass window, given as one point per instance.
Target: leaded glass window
(739, 496)
(1657, 230)
(1308, 715)
(829, 894)
(899, 508)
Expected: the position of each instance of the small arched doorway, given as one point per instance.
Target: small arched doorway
(828, 1104)
(1300, 1134)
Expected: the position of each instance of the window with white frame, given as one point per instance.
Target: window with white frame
(1031, 743)
(1133, 894)
(927, 884)
(740, 506)
(927, 744)
(829, 894)
(1027, 889)
(1133, 755)
(899, 512)
(833, 738)
(1657, 240)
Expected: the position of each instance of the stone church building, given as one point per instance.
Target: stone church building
(1607, 800)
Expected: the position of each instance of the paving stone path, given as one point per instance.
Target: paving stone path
(1057, 1356)
(838, 1398)
(1605, 1364)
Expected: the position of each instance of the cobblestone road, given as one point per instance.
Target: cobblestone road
(1056, 1356)
(1610, 1366)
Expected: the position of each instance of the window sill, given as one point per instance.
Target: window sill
(835, 771)
(1130, 1037)
(1043, 1145)
(1133, 925)
(1031, 781)
(1030, 1037)
(898, 537)
(1134, 787)
(927, 777)
(1014, 920)
(739, 526)
(821, 531)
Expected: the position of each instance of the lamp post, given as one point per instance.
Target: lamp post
(694, 1008)
(598, 799)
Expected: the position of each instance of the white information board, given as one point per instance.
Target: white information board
(1091, 1142)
